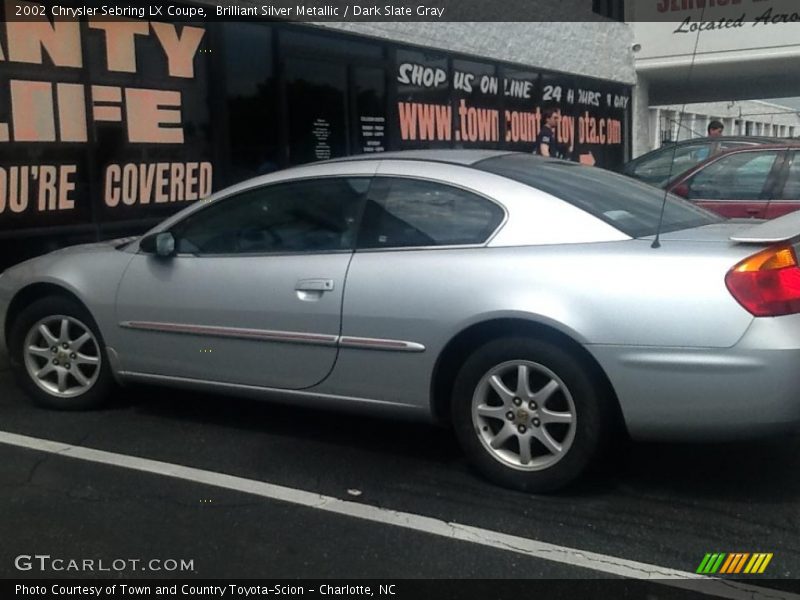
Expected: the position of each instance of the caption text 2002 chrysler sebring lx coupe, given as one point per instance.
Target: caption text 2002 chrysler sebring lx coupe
(521, 299)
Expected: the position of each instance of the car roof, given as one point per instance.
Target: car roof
(753, 140)
(762, 147)
(455, 157)
(723, 138)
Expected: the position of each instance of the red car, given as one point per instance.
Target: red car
(757, 181)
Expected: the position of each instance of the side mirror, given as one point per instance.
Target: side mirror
(681, 190)
(161, 244)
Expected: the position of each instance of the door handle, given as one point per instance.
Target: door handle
(314, 285)
(753, 211)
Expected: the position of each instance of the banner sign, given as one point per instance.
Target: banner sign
(105, 123)
(114, 110)
(475, 105)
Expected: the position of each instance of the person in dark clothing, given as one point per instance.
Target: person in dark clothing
(715, 129)
(546, 142)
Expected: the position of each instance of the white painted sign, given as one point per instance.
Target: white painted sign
(672, 28)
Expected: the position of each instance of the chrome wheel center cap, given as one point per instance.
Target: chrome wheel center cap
(521, 417)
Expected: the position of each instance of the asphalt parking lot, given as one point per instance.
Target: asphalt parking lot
(662, 505)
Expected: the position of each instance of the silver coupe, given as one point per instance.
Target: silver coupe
(540, 307)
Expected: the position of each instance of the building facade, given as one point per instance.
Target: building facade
(108, 126)
(689, 52)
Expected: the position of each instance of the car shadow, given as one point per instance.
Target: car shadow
(333, 427)
(748, 470)
(763, 471)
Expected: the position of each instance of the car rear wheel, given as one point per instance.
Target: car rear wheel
(58, 355)
(529, 415)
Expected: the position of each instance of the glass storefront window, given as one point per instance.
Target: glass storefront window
(319, 44)
(251, 100)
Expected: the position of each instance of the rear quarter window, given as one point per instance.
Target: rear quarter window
(404, 213)
(631, 206)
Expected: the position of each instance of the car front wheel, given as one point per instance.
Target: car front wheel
(529, 414)
(58, 356)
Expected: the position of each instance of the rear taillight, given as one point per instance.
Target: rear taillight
(767, 284)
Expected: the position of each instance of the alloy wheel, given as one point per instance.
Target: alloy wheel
(524, 415)
(62, 356)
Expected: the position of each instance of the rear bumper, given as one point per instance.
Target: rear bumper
(710, 394)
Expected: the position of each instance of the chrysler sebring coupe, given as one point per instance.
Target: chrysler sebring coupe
(540, 307)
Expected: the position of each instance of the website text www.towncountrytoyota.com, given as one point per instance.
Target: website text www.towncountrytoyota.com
(434, 122)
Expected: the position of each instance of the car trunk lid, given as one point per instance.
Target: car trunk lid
(742, 231)
(773, 231)
(722, 232)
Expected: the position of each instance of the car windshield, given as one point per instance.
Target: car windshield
(631, 206)
(665, 163)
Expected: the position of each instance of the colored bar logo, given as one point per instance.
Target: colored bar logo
(734, 563)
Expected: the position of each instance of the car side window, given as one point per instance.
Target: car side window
(313, 215)
(740, 176)
(791, 189)
(402, 213)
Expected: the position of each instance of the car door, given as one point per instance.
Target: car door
(253, 294)
(400, 298)
(787, 197)
(738, 184)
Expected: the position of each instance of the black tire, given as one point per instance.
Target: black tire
(592, 414)
(97, 393)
